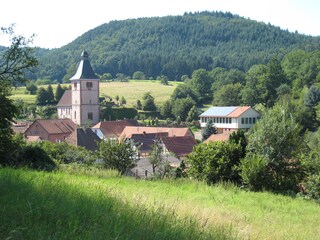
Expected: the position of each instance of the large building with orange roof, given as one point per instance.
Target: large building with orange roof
(228, 119)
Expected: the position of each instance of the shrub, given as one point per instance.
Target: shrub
(313, 187)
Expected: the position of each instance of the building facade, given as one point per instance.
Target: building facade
(229, 118)
(81, 103)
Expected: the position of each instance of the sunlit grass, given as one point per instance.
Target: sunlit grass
(131, 91)
(53, 205)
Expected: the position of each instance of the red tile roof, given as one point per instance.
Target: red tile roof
(114, 128)
(65, 100)
(178, 132)
(238, 111)
(180, 146)
(56, 126)
(218, 137)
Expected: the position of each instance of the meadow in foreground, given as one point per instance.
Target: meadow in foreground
(39, 205)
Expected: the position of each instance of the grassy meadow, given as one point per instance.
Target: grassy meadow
(65, 205)
(131, 91)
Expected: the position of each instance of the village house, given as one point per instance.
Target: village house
(112, 129)
(228, 119)
(53, 130)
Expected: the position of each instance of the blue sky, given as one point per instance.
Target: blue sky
(58, 22)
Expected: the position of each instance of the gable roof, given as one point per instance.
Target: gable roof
(129, 130)
(180, 146)
(85, 70)
(218, 137)
(225, 111)
(114, 128)
(84, 138)
(55, 126)
(65, 100)
(146, 140)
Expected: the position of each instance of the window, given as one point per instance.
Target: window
(250, 120)
(242, 120)
(90, 116)
(75, 114)
(246, 120)
(254, 120)
(230, 121)
(89, 85)
(75, 86)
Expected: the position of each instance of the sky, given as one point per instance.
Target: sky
(56, 23)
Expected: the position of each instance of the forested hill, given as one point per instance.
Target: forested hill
(174, 46)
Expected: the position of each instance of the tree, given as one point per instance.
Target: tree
(32, 88)
(50, 95)
(228, 95)
(117, 155)
(201, 82)
(139, 105)
(215, 161)
(138, 75)
(42, 96)
(181, 107)
(193, 114)
(166, 109)
(273, 146)
(209, 130)
(14, 62)
(59, 92)
(155, 156)
(123, 101)
(148, 102)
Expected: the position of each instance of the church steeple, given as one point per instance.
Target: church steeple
(85, 70)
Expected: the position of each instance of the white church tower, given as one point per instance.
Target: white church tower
(85, 94)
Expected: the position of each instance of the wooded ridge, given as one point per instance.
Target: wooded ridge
(173, 46)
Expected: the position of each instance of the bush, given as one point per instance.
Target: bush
(215, 162)
(35, 157)
(313, 187)
(253, 172)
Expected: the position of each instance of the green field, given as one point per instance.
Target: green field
(38, 205)
(131, 91)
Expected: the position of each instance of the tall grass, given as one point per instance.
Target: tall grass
(38, 205)
(62, 206)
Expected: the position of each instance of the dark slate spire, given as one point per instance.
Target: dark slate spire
(85, 70)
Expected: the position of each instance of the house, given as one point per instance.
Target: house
(112, 129)
(84, 137)
(144, 169)
(230, 118)
(81, 103)
(180, 146)
(130, 130)
(143, 142)
(56, 130)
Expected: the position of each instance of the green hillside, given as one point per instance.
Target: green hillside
(39, 205)
(173, 46)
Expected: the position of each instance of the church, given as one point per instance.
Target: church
(81, 103)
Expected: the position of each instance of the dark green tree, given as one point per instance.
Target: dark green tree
(193, 114)
(50, 95)
(228, 95)
(14, 63)
(166, 109)
(148, 102)
(273, 152)
(181, 107)
(32, 88)
(59, 92)
(215, 161)
(42, 96)
(139, 105)
(209, 129)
